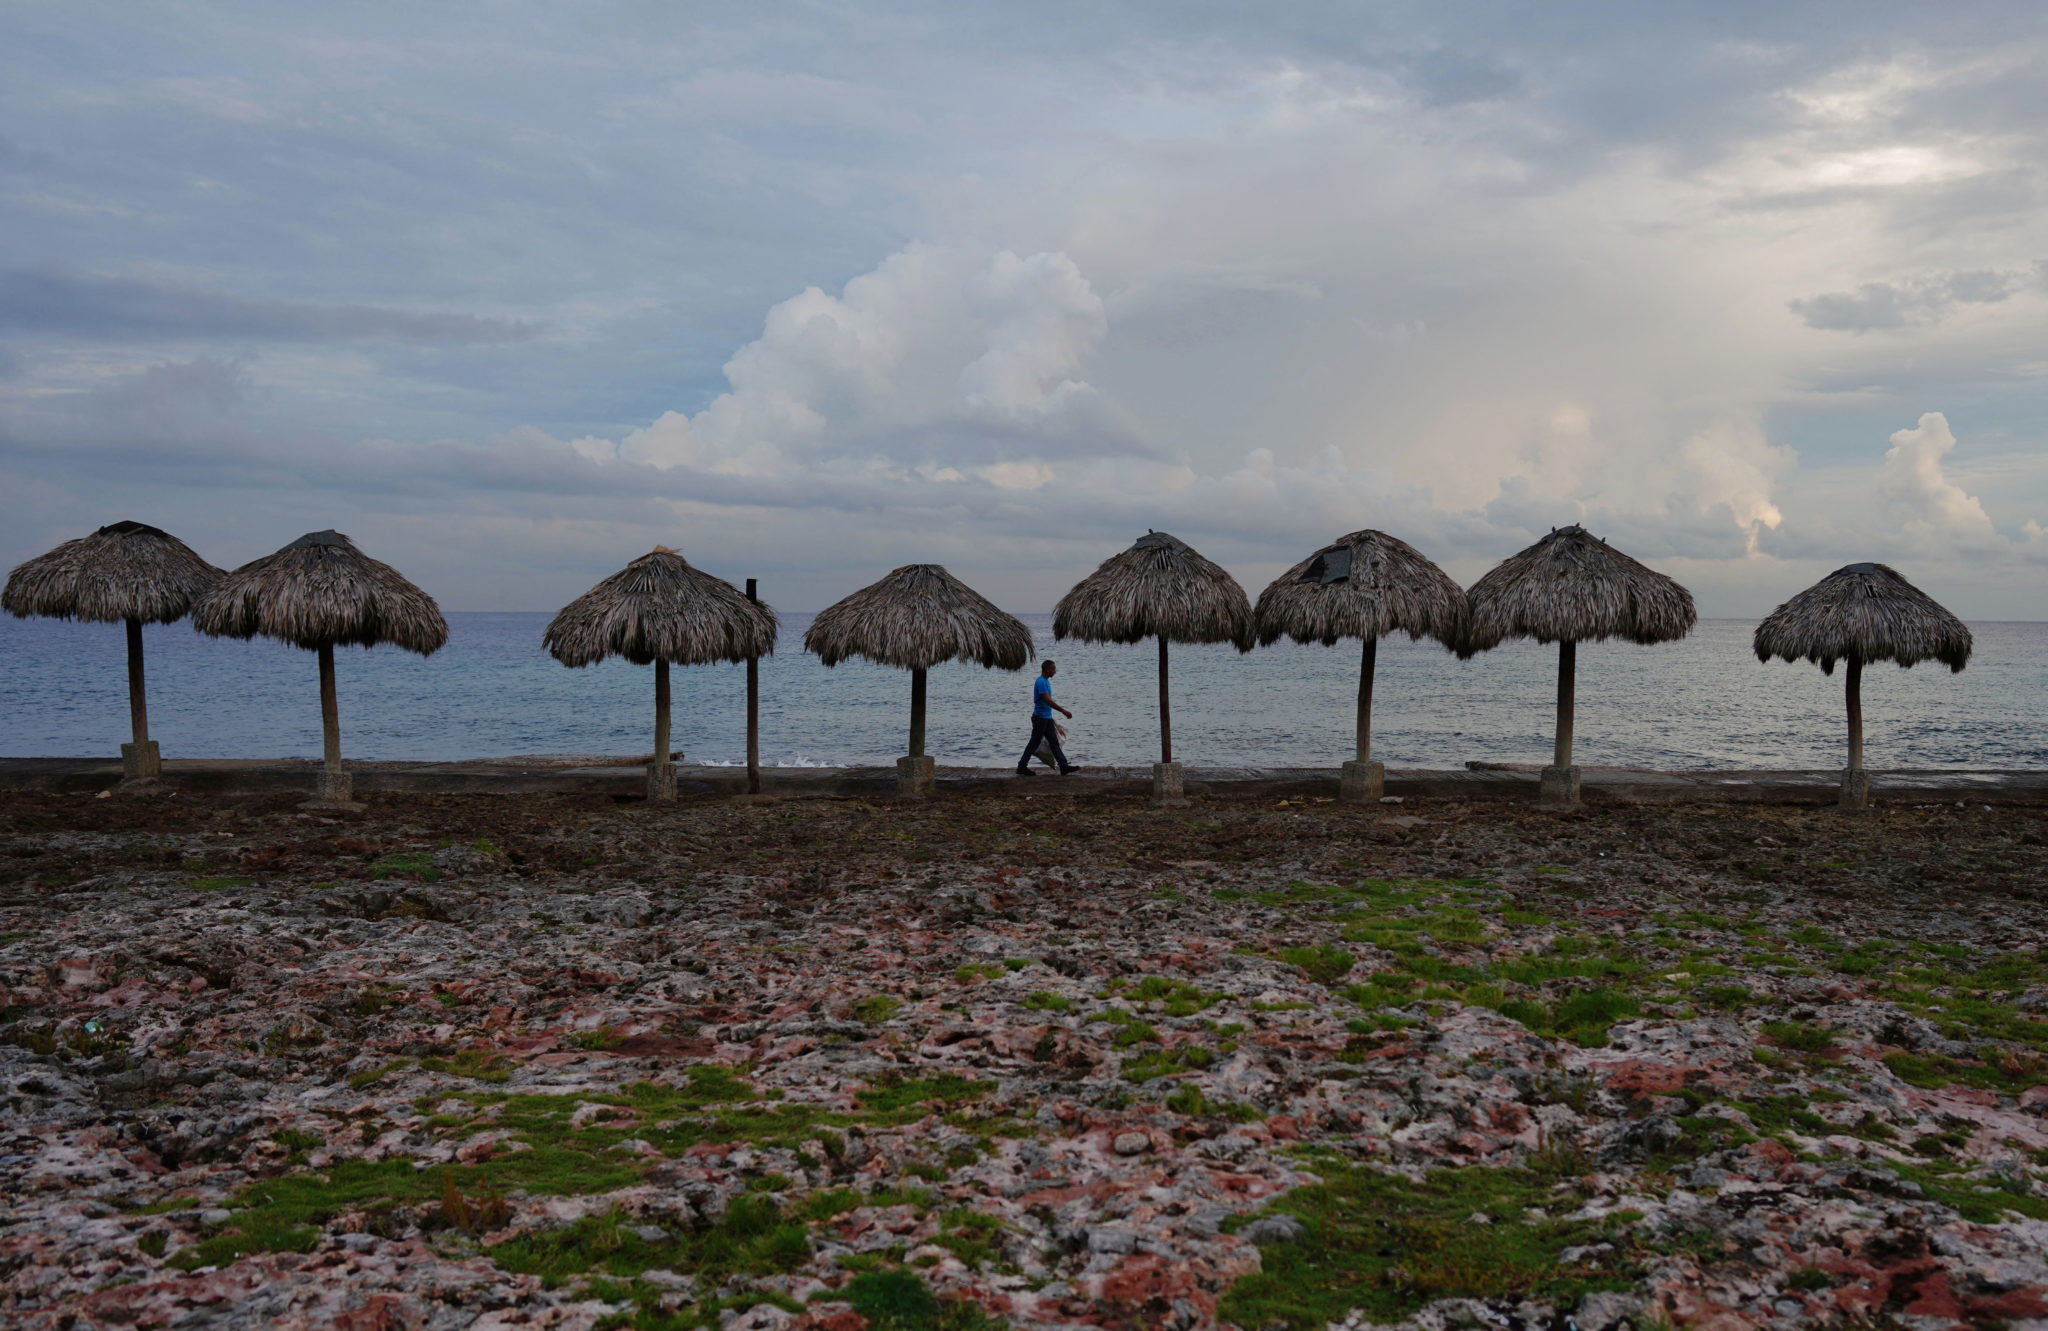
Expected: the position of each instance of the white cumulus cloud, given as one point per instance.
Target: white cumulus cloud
(1935, 510)
(933, 357)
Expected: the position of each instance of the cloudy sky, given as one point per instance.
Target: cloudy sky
(512, 292)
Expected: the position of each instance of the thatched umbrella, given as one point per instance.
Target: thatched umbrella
(320, 592)
(1572, 587)
(659, 609)
(1862, 613)
(124, 572)
(1159, 588)
(913, 619)
(1366, 586)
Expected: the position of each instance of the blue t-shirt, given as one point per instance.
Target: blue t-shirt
(1041, 694)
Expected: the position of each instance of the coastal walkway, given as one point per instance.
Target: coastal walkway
(619, 778)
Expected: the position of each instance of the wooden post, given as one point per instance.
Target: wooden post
(1855, 692)
(753, 711)
(917, 712)
(661, 737)
(1567, 669)
(330, 717)
(1365, 669)
(1165, 709)
(138, 705)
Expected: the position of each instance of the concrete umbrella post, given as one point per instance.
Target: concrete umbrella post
(916, 774)
(1169, 785)
(335, 785)
(1855, 783)
(753, 709)
(1560, 781)
(1363, 780)
(139, 760)
(661, 773)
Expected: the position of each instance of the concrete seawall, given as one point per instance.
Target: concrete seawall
(1509, 782)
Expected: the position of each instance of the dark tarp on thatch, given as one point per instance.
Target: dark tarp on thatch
(1365, 585)
(321, 591)
(126, 570)
(658, 608)
(1865, 611)
(915, 618)
(1573, 587)
(1158, 588)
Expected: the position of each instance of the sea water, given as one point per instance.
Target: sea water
(1705, 702)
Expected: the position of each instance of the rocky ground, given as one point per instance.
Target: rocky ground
(1046, 1062)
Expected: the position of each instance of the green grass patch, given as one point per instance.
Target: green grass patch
(1582, 1017)
(875, 1009)
(418, 865)
(1326, 965)
(214, 884)
(1804, 1037)
(1979, 1200)
(1155, 1063)
(1044, 1000)
(1178, 998)
(899, 1300)
(476, 1064)
(1132, 1029)
(371, 1076)
(752, 1237)
(1389, 1246)
(283, 1214)
(898, 1097)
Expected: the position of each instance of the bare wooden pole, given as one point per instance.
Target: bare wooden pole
(753, 712)
(138, 703)
(1165, 708)
(1365, 668)
(1855, 692)
(330, 713)
(661, 737)
(1567, 670)
(917, 712)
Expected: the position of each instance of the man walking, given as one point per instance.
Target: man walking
(1042, 731)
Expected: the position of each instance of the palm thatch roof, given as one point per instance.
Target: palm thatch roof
(126, 570)
(658, 608)
(1158, 588)
(915, 618)
(1867, 611)
(1365, 585)
(1572, 586)
(320, 591)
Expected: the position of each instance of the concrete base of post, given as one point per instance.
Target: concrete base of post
(1855, 796)
(1559, 787)
(141, 761)
(1169, 788)
(1362, 783)
(334, 787)
(917, 778)
(661, 782)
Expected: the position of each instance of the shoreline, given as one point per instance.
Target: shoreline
(623, 777)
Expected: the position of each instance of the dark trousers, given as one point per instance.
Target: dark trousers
(1042, 732)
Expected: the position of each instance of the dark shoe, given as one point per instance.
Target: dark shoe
(1070, 769)
(1023, 771)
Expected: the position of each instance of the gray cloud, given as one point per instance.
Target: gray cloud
(49, 301)
(1918, 302)
(1459, 270)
